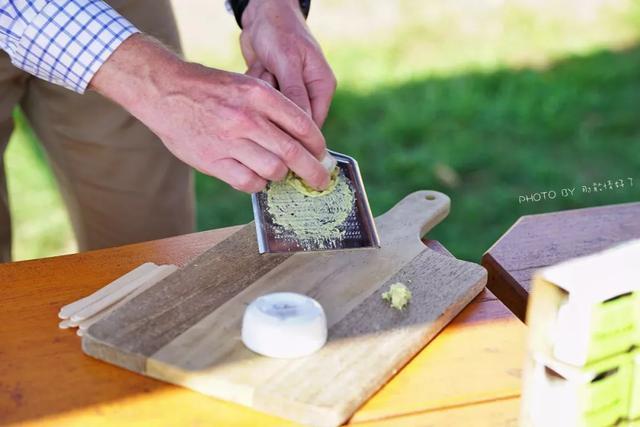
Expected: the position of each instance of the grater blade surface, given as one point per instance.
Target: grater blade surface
(358, 230)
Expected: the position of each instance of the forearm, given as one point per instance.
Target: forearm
(157, 87)
(63, 42)
(139, 72)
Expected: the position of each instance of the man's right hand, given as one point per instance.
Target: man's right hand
(231, 126)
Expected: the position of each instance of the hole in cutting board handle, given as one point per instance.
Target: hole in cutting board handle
(430, 197)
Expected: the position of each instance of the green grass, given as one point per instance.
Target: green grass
(504, 134)
(546, 101)
(39, 221)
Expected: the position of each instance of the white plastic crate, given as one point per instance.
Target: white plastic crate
(583, 358)
(634, 401)
(556, 394)
(587, 309)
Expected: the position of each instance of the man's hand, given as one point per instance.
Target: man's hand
(231, 126)
(279, 49)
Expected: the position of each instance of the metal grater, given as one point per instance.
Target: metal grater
(357, 231)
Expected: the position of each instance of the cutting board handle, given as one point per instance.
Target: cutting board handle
(413, 216)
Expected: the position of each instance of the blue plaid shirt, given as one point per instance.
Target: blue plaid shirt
(61, 41)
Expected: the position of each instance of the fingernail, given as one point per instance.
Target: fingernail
(328, 162)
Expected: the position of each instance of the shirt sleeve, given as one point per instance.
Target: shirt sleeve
(62, 41)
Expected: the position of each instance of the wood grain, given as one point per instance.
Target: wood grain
(496, 413)
(34, 355)
(348, 277)
(220, 274)
(166, 270)
(160, 314)
(476, 357)
(537, 241)
(368, 345)
(480, 346)
(327, 387)
(121, 294)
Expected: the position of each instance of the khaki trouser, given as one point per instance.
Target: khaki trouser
(120, 184)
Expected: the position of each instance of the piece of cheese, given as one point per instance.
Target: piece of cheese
(284, 325)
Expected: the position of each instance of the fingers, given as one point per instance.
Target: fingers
(255, 70)
(247, 50)
(260, 160)
(293, 154)
(294, 121)
(288, 72)
(236, 175)
(292, 86)
(269, 78)
(258, 71)
(293, 136)
(321, 85)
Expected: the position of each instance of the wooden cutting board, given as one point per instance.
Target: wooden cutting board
(186, 328)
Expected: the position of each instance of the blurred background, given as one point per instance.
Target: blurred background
(488, 101)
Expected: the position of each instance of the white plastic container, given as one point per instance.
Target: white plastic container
(284, 325)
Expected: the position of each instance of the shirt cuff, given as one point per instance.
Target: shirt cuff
(68, 41)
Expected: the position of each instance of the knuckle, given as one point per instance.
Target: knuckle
(292, 46)
(247, 184)
(273, 169)
(225, 134)
(242, 121)
(294, 91)
(259, 89)
(291, 150)
(304, 125)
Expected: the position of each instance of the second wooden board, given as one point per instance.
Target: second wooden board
(186, 329)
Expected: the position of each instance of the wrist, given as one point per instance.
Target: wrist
(137, 73)
(257, 8)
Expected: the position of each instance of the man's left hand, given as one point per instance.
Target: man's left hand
(279, 48)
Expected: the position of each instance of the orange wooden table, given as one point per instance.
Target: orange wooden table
(468, 375)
